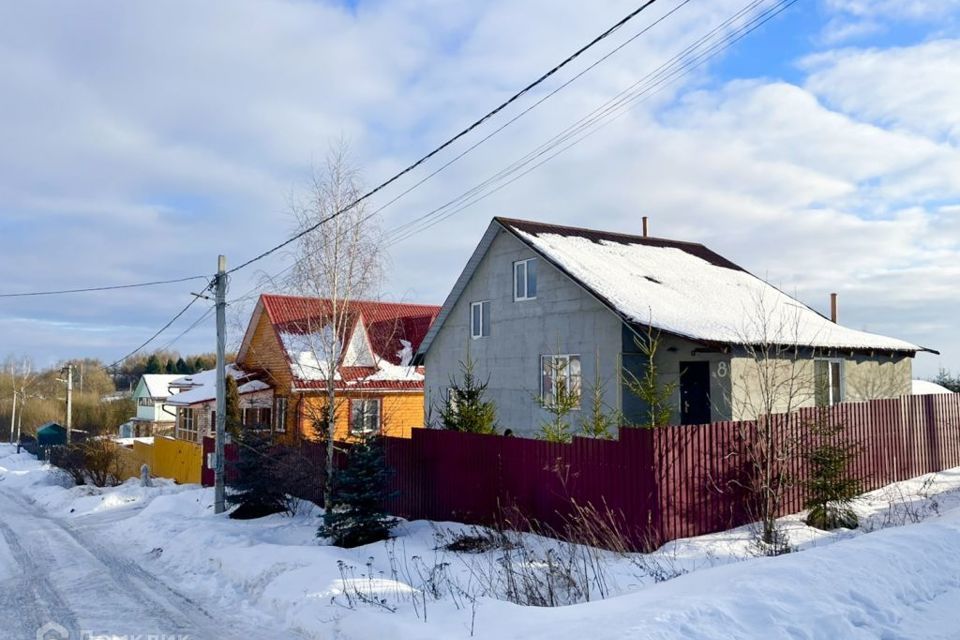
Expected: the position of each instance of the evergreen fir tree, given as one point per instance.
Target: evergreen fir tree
(559, 401)
(831, 486)
(153, 364)
(233, 415)
(655, 395)
(181, 367)
(466, 409)
(170, 367)
(601, 421)
(357, 498)
(253, 486)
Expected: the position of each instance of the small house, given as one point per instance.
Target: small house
(537, 302)
(154, 415)
(294, 343)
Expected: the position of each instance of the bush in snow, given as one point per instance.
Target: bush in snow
(831, 487)
(355, 513)
(466, 409)
(95, 462)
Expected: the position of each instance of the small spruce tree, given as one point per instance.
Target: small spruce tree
(559, 400)
(169, 368)
(601, 421)
(181, 367)
(655, 395)
(357, 498)
(466, 409)
(831, 486)
(253, 486)
(233, 415)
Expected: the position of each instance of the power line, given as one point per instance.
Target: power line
(679, 66)
(103, 288)
(453, 139)
(161, 330)
(703, 49)
(196, 323)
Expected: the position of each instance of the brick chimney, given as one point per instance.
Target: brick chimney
(833, 307)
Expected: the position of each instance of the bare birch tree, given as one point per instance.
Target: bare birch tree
(775, 381)
(341, 262)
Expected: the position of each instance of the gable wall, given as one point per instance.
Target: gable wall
(564, 318)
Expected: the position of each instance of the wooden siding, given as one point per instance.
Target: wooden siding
(400, 413)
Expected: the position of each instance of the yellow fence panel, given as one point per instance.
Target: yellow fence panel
(177, 459)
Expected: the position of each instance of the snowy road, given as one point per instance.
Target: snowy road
(52, 571)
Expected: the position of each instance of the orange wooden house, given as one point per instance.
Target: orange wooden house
(378, 391)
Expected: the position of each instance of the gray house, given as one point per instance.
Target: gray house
(536, 299)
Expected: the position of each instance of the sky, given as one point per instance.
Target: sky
(139, 140)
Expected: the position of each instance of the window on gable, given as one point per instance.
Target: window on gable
(525, 279)
(559, 374)
(364, 417)
(280, 415)
(480, 319)
(828, 381)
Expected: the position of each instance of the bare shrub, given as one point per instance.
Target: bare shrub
(95, 462)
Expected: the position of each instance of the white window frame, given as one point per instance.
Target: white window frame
(280, 415)
(187, 427)
(831, 401)
(526, 283)
(354, 431)
(566, 371)
(483, 330)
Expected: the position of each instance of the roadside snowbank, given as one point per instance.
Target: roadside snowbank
(901, 581)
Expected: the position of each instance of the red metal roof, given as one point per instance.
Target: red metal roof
(387, 324)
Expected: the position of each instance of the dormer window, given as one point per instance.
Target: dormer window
(525, 279)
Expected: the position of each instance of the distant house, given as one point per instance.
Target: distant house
(379, 390)
(196, 403)
(154, 415)
(537, 298)
(926, 387)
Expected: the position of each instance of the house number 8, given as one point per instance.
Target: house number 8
(722, 370)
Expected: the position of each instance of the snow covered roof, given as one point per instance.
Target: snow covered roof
(373, 349)
(202, 386)
(687, 290)
(925, 387)
(157, 385)
(681, 288)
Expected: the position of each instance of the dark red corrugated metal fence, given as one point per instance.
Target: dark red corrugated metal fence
(661, 484)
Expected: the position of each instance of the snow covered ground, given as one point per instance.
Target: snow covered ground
(896, 577)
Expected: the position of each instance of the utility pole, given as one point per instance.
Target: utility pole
(69, 425)
(219, 505)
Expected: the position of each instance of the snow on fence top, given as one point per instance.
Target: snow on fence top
(687, 290)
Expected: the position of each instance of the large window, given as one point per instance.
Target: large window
(145, 402)
(187, 425)
(525, 279)
(280, 415)
(480, 319)
(828, 378)
(256, 418)
(364, 417)
(559, 375)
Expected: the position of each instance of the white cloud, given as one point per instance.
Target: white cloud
(143, 139)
